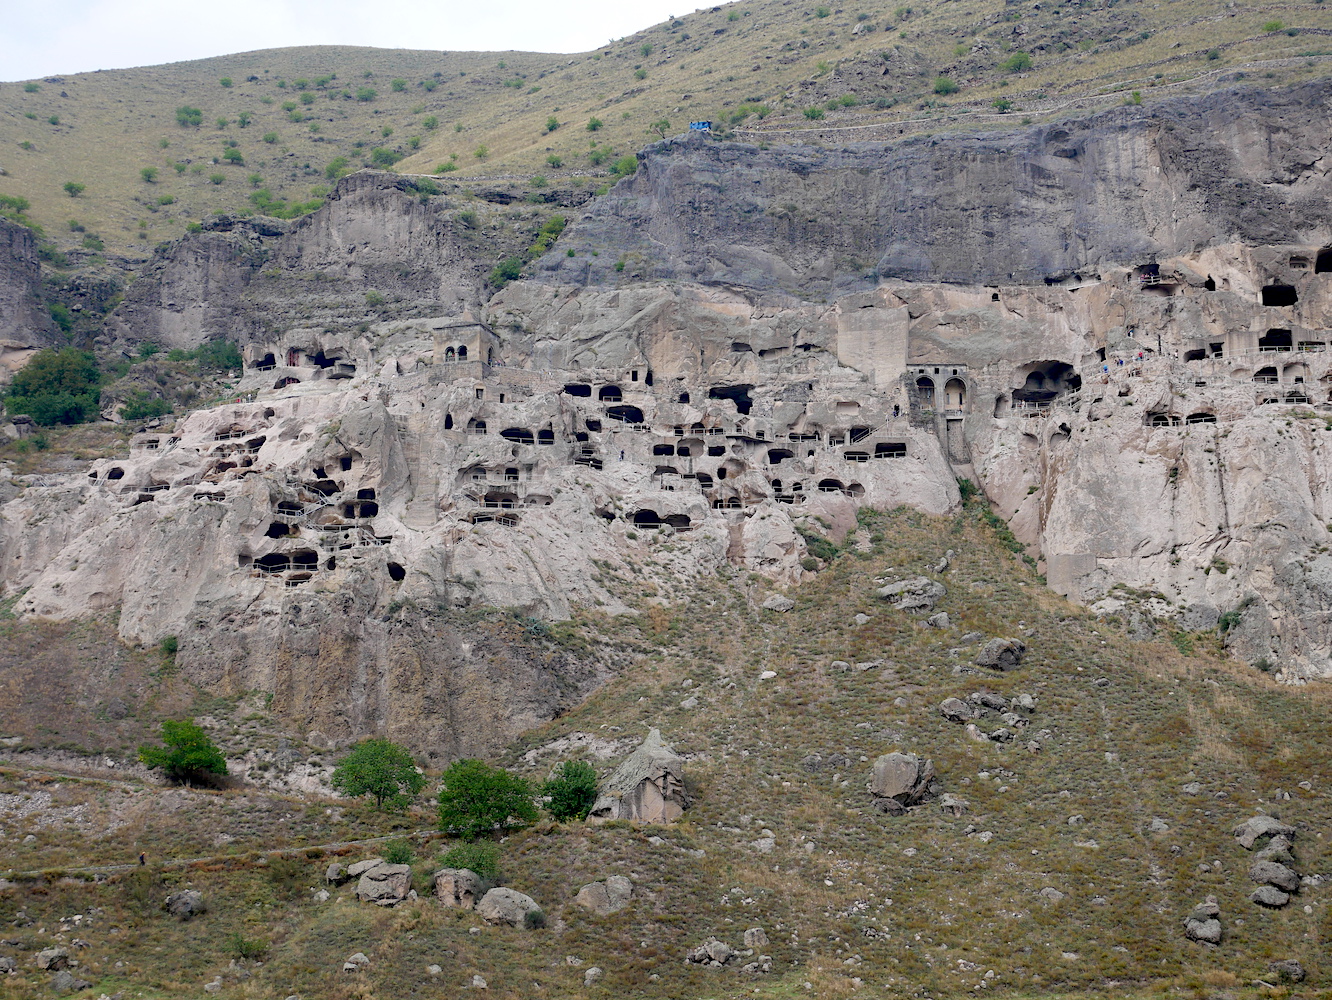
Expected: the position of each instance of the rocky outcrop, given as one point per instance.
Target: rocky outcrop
(1203, 924)
(900, 780)
(605, 898)
(458, 888)
(185, 904)
(647, 787)
(384, 884)
(25, 325)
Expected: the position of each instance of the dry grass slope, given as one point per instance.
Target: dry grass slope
(914, 905)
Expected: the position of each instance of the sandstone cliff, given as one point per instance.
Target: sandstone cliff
(24, 323)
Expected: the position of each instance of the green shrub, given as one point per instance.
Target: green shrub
(640, 74)
(1272, 26)
(1018, 62)
(246, 948)
(93, 242)
(225, 81)
(481, 152)
(374, 299)
(384, 158)
(645, 49)
(54, 120)
(56, 386)
(187, 116)
(216, 178)
(446, 168)
(139, 405)
(945, 85)
(481, 858)
(399, 852)
(149, 174)
(813, 114)
(366, 94)
(234, 156)
(398, 86)
(270, 137)
(467, 218)
(534, 920)
(429, 123)
(479, 799)
(593, 124)
(189, 755)
(506, 271)
(821, 11)
(74, 188)
(625, 166)
(572, 791)
(552, 123)
(31, 88)
(1003, 105)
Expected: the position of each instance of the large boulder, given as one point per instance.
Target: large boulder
(711, 952)
(335, 874)
(52, 959)
(1255, 829)
(1001, 654)
(1270, 896)
(506, 906)
(647, 787)
(901, 780)
(956, 710)
(384, 884)
(919, 594)
(606, 897)
(1204, 923)
(1274, 873)
(65, 981)
(1288, 970)
(361, 867)
(185, 904)
(459, 888)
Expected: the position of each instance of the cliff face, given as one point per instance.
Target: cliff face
(1015, 207)
(1118, 328)
(24, 323)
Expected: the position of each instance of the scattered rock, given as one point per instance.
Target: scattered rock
(919, 594)
(1192, 788)
(591, 975)
(1288, 970)
(214, 987)
(1001, 654)
(185, 904)
(1077, 820)
(939, 620)
(1269, 896)
(7, 964)
(52, 959)
(711, 952)
(607, 897)
(65, 982)
(434, 970)
(321, 896)
(1253, 830)
(1025, 702)
(336, 874)
(756, 938)
(1275, 873)
(361, 867)
(356, 961)
(457, 887)
(1204, 923)
(1052, 894)
(1277, 849)
(955, 710)
(900, 780)
(953, 805)
(506, 906)
(1158, 825)
(862, 619)
(839, 667)
(478, 983)
(988, 699)
(777, 603)
(384, 884)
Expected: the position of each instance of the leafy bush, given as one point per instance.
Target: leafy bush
(74, 188)
(31, 88)
(625, 166)
(821, 11)
(374, 299)
(169, 646)
(467, 218)
(572, 791)
(534, 920)
(481, 858)
(225, 81)
(552, 123)
(1272, 26)
(1018, 62)
(365, 94)
(399, 852)
(216, 355)
(429, 123)
(189, 755)
(270, 137)
(645, 49)
(384, 158)
(243, 119)
(188, 117)
(554, 162)
(945, 85)
(506, 271)
(446, 168)
(246, 948)
(481, 152)
(593, 124)
(1003, 105)
(479, 799)
(139, 405)
(216, 178)
(235, 156)
(56, 386)
(149, 174)
(398, 86)
(813, 114)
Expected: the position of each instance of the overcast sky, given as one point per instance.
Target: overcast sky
(78, 36)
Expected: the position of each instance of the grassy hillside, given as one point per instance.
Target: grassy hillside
(855, 903)
(287, 115)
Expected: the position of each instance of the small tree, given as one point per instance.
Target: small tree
(944, 85)
(661, 126)
(572, 791)
(188, 117)
(398, 86)
(149, 174)
(189, 754)
(477, 799)
(225, 81)
(552, 123)
(73, 188)
(593, 124)
(234, 156)
(380, 768)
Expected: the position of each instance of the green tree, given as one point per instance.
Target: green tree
(380, 768)
(336, 168)
(625, 166)
(73, 188)
(505, 271)
(552, 123)
(481, 152)
(572, 791)
(149, 174)
(944, 85)
(187, 116)
(217, 178)
(661, 126)
(233, 156)
(139, 405)
(398, 86)
(189, 755)
(56, 386)
(1018, 62)
(593, 124)
(225, 81)
(366, 94)
(479, 799)
(813, 114)
(554, 161)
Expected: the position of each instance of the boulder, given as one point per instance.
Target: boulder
(361, 867)
(711, 952)
(988, 699)
(335, 874)
(647, 787)
(919, 594)
(756, 938)
(592, 975)
(1270, 896)
(953, 805)
(939, 620)
(185, 904)
(1204, 923)
(7, 964)
(955, 710)
(900, 780)
(1277, 849)
(64, 981)
(506, 906)
(607, 897)
(384, 884)
(1001, 654)
(778, 603)
(355, 962)
(52, 959)
(459, 888)
(1274, 873)
(1253, 830)
(1288, 970)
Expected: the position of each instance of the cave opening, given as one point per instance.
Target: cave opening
(396, 572)
(738, 394)
(1279, 295)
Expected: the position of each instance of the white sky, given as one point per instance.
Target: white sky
(75, 36)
